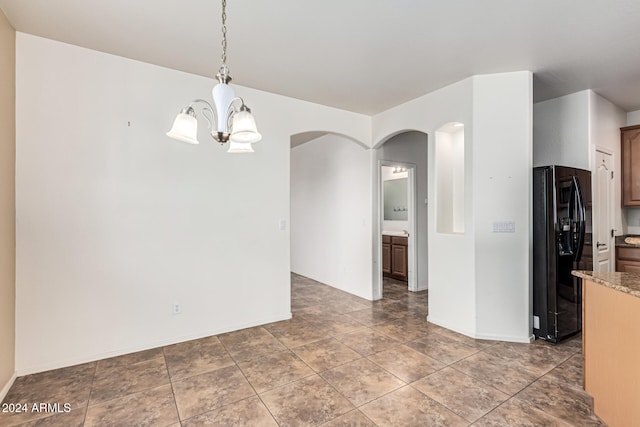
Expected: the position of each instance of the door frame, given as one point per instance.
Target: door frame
(612, 193)
(412, 253)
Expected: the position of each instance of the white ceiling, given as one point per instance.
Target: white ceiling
(362, 55)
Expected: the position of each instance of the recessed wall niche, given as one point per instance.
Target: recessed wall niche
(449, 174)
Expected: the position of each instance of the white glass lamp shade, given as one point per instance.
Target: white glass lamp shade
(239, 147)
(185, 128)
(222, 97)
(244, 128)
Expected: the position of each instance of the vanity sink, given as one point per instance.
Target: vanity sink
(395, 233)
(632, 240)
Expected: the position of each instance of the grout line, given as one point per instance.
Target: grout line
(173, 392)
(93, 379)
(258, 394)
(391, 299)
(249, 382)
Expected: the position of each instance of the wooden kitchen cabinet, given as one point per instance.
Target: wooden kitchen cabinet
(394, 257)
(628, 259)
(630, 138)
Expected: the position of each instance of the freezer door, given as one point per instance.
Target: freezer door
(565, 304)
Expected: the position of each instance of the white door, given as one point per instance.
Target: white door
(602, 210)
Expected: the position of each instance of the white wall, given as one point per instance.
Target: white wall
(331, 213)
(633, 118)
(464, 296)
(502, 129)
(444, 152)
(115, 221)
(561, 131)
(458, 180)
(449, 164)
(451, 261)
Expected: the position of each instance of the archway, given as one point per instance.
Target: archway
(330, 211)
(405, 149)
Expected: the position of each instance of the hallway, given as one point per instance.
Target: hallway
(340, 361)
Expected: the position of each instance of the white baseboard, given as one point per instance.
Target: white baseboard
(508, 338)
(492, 337)
(28, 370)
(7, 386)
(446, 325)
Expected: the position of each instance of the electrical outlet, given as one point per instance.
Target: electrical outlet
(176, 308)
(536, 322)
(504, 227)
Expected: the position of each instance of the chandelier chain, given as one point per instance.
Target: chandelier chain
(224, 33)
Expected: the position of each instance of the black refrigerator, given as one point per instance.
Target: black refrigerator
(561, 243)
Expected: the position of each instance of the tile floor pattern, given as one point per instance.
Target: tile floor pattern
(340, 361)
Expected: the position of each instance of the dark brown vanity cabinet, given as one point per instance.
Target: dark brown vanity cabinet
(386, 255)
(394, 257)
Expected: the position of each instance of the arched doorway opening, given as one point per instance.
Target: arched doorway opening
(330, 211)
(392, 228)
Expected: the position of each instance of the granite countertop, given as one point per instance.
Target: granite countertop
(623, 282)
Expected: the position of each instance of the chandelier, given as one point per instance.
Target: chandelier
(229, 119)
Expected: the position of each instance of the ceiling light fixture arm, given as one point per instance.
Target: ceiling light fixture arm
(208, 112)
(234, 109)
(236, 105)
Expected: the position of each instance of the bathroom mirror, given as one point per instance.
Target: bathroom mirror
(395, 200)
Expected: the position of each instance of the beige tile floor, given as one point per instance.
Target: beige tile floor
(340, 361)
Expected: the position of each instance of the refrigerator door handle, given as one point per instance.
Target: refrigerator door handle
(568, 224)
(580, 220)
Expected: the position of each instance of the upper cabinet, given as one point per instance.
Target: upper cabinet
(630, 137)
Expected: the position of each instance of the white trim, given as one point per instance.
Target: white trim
(147, 346)
(446, 325)
(506, 338)
(412, 252)
(376, 291)
(492, 337)
(7, 386)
